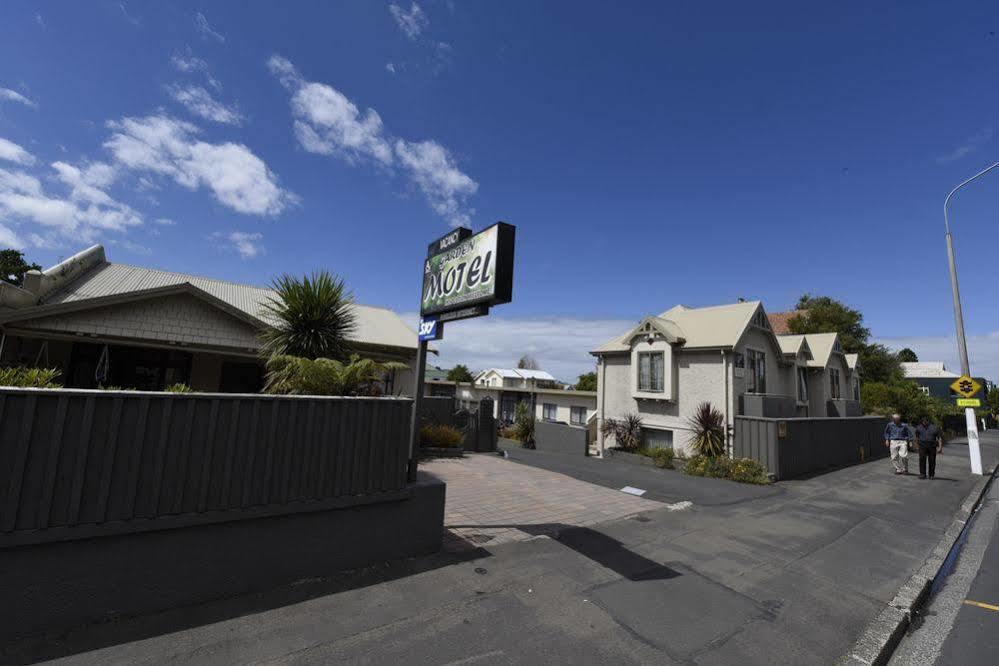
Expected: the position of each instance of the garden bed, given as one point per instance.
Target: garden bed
(441, 452)
(620, 455)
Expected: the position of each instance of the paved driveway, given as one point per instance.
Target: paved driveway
(491, 500)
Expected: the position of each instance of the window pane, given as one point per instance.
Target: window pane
(761, 364)
(644, 372)
(657, 372)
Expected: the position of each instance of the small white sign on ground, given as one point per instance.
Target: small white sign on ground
(633, 491)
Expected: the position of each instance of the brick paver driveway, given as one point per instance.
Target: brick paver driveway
(491, 500)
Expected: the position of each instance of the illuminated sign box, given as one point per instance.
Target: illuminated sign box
(469, 271)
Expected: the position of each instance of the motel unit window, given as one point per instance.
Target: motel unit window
(834, 383)
(802, 385)
(856, 388)
(651, 368)
(656, 438)
(549, 412)
(756, 371)
(577, 415)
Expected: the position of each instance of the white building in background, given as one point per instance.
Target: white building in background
(515, 378)
(728, 356)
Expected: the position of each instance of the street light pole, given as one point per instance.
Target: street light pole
(974, 450)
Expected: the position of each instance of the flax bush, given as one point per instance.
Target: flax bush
(29, 377)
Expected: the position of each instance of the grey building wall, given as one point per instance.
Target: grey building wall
(558, 438)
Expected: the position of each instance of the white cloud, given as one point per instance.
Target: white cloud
(434, 170)
(9, 239)
(12, 152)
(134, 248)
(328, 123)
(248, 245)
(189, 63)
(205, 28)
(164, 222)
(971, 145)
(411, 22)
(8, 95)
(390, 68)
(128, 17)
(84, 212)
(169, 147)
(561, 345)
(983, 351)
(200, 102)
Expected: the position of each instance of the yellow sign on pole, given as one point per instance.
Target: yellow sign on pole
(969, 402)
(965, 386)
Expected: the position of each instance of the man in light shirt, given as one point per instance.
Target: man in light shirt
(897, 438)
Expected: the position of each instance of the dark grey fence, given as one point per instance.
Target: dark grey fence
(437, 410)
(75, 463)
(795, 447)
(769, 406)
(560, 438)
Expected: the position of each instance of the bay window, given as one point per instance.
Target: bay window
(651, 372)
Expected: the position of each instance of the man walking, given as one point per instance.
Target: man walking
(930, 444)
(897, 436)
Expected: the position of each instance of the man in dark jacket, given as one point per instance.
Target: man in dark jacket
(930, 444)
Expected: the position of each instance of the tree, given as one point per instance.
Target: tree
(587, 382)
(311, 317)
(993, 401)
(459, 373)
(906, 398)
(13, 267)
(906, 355)
(822, 314)
(527, 362)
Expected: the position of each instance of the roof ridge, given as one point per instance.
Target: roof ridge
(189, 275)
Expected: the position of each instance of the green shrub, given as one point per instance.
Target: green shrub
(440, 436)
(29, 377)
(523, 423)
(179, 387)
(293, 375)
(743, 470)
(747, 470)
(661, 457)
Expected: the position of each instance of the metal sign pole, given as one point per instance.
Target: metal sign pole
(414, 435)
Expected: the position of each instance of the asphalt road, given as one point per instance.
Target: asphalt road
(661, 485)
(792, 577)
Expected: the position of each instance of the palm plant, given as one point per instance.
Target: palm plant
(627, 432)
(707, 424)
(311, 317)
(293, 375)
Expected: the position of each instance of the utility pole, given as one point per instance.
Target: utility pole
(974, 449)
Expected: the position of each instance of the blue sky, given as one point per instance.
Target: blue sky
(649, 153)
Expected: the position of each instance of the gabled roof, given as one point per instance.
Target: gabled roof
(927, 370)
(853, 361)
(792, 345)
(717, 326)
(112, 282)
(822, 345)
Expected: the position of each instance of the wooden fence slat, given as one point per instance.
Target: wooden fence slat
(230, 455)
(159, 459)
(13, 502)
(109, 456)
(82, 457)
(204, 480)
(42, 520)
(252, 444)
(183, 456)
(138, 446)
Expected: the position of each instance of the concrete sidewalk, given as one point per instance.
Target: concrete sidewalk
(786, 578)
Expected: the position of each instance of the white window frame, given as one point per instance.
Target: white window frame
(656, 345)
(554, 411)
(573, 410)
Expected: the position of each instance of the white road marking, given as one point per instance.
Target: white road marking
(633, 491)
